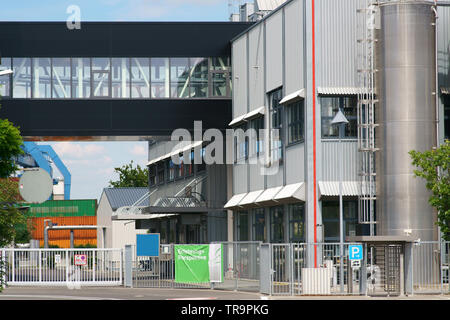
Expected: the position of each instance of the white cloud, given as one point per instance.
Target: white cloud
(76, 150)
(138, 150)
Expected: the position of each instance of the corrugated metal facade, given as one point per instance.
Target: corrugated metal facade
(330, 157)
(336, 35)
(63, 236)
(63, 208)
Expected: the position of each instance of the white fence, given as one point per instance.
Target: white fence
(61, 267)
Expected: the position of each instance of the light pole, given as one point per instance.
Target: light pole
(340, 120)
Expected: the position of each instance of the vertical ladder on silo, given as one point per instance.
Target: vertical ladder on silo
(367, 102)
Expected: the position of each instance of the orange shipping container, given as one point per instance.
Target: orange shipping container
(37, 225)
(66, 243)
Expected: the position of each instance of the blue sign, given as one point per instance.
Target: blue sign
(147, 245)
(355, 252)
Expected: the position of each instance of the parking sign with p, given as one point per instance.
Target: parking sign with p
(355, 252)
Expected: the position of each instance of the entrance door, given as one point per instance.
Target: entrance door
(383, 269)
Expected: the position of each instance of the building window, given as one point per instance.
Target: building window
(22, 77)
(160, 77)
(179, 169)
(5, 64)
(330, 106)
(296, 121)
(120, 74)
(152, 175)
(42, 78)
(277, 224)
(125, 78)
(188, 167)
(199, 77)
(330, 220)
(257, 146)
(61, 78)
(242, 226)
(276, 111)
(140, 78)
(179, 77)
(259, 225)
(201, 166)
(81, 78)
(170, 170)
(296, 222)
(100, 77)
(241, 142)
(161, 173)
(220, 77)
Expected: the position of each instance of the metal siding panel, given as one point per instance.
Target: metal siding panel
(294, 47)
(274, 47)
(240, 178)
(336, 29)
(443, 45)
(275, 180)
(330, 154)
(256, 178)
(256, 67)
(295, 167)
(239, 54)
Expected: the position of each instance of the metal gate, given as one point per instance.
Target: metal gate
(62, 267)
(384, 269)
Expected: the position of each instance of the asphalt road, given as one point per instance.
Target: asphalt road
(121, 293)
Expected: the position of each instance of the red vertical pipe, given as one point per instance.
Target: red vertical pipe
(314, 129)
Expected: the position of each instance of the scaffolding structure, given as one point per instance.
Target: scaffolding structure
(367, 104)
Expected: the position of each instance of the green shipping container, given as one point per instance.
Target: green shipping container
(63, 208)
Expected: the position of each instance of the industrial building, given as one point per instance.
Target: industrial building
(385, 66)
(291, 68)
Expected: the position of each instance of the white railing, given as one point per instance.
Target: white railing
(62, 267)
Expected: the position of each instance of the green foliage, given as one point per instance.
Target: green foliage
(433, 166)
(10, 142)
(10, 215)
(130, 176)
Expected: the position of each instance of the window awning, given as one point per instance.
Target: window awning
(177, 151)
(291, 193)
(250, 198)
(331, 188)
(339, 90)
(234, 201)
(268, 195)
(245, 117)
(297, 95)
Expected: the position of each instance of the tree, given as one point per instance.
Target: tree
(433, 166)
(12, 220)
(130, 176)
(10, 143)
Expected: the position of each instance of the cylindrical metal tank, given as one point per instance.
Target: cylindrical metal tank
(407, 116)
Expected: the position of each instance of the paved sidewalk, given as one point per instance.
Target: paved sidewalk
(121, 293)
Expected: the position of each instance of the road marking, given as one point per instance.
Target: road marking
(198, 298)
(53, 297)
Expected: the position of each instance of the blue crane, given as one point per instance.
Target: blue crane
(42, 156)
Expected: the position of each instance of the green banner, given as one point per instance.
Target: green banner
(191, 263)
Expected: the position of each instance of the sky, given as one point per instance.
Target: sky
(92, 164)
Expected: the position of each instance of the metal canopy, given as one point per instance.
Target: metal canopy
(297, 95)
(234, 201)
(331, 188)
(291, 193)
(246, 117)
